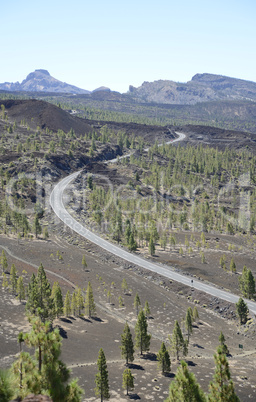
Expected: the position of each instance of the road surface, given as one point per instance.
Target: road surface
(56, 202)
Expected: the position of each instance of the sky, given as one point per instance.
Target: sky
(116, 44)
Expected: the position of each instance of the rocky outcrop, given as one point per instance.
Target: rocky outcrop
(41, 81)
(202, 88)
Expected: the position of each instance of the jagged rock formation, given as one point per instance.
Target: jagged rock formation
(202, 88)
(42, 81)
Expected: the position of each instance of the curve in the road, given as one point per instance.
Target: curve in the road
(56, 202)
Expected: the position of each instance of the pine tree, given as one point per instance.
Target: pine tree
(90, 307)
(247, 283)
(223, 346)
(6, 386)
(242, 310)
(5, 283)
(185, 387)
(137, 303)
(124, 286)
(222, 387)
(101, 380)
(67, 304)
(73, 304)
(147, 309)
(127, 348)
(232, 265)
(188, 323)
(128, 380)
(20, 289)
(45, 306)
(151, 246)
(84, 263)
(57, 299)
(142, 338)
(32, 296)
(195, 314)
(4, 262)
(13, 278)
(50, 375)
(163, 359)
(177, 342)
(79, 300)
(37, 227)
(132, 244)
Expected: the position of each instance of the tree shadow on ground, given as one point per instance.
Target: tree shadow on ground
(149, 356)
(198, 346)
(190, 363)
(98, 319)
(67, 320)
(62, 332)
(134, 396)
(169, 375)
(133, 366)
(85, 319)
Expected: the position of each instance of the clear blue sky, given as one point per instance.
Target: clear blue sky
(115, 43)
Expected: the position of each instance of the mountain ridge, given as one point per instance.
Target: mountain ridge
(201, 88)
(204, 87)
(41, 81)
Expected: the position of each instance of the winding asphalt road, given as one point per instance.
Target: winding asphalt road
(57, 204)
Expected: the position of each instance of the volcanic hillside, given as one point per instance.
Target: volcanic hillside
(43, 114)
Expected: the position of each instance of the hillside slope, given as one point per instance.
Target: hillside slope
(202, 88)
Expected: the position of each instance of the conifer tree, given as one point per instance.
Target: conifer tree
(90, 307)
(188, 323)
(232, 265)
(177, 342)
(73, 304)
(147, 309)
(124, 286)
(185, 387)
(223, 345)
(20, 289)
(128, 380)
(242, 310)
(5, 283)
(195, 314)
(84, 263)
(222, 387)
(79, 300)
(57, 299)
(6, 386)
(50, 375)
(4, 262)
(247, 283)
(37, 227)
(13, 278)
(142, 338)
(67, 304)
(32, 296)
(45, 306)
(163, 359)
(151, 246)
(127, 348)
(137, 303)
(101, 380)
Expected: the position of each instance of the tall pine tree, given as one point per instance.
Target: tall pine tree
(127, 349)
(185, 387)
(222, 387)
(101, 380)
(142, 338)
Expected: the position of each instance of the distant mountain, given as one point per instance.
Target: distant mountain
(202, 88)
(42, 81)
